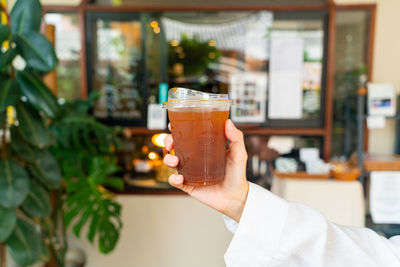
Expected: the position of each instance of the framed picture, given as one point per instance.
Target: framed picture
(248, 92)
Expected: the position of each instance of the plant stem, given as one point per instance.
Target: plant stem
(12, 72)
(3, 138)
(47, 226)
(3, 260)
(60, 219)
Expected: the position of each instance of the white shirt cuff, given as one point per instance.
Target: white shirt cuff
(258, 233)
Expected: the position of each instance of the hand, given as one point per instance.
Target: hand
(230, 196)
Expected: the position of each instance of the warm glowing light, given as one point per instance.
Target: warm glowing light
(156, 30)
(158, 139)
(145, 149)
(181, 55)
(154, 24)
(174, 43)
(179, 49)
(212, 43)
(211, 55)
(153, 155)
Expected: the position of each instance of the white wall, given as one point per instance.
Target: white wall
(165, 231)
(386, 64)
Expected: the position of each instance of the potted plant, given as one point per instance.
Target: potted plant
(44, 144)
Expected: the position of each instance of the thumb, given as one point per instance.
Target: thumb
(235, 137)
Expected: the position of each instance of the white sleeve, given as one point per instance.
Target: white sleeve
(274, 232)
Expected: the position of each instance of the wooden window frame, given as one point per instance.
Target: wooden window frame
(325, 132)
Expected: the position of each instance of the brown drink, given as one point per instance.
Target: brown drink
(200, 144)
(198, 130)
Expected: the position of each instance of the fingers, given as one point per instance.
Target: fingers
(235, 136)
(171, 161)
(176, 180)
(169, 143)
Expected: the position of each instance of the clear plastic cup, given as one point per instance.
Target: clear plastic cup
(198, 129)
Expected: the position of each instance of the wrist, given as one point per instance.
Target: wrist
(237, 203)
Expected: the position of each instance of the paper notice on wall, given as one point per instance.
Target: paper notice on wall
(286, 77)
(385, 197)
(381, 99)
(156, 117)
(376, 122)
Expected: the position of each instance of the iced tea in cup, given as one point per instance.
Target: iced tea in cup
(198, 129)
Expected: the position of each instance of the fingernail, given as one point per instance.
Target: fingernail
(178, 179)
(166, 143)
(170, 160)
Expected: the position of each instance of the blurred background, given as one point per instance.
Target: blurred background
(314, 85)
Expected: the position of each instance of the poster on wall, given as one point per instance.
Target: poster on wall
(286, 76)
(384, 198)
(249, 94)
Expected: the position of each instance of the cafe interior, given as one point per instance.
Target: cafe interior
(315, 90)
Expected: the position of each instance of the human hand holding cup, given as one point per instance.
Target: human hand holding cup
(207, 170)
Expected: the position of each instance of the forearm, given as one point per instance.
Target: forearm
(274, 232)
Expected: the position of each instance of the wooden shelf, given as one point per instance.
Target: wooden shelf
(282, 131)
(144, 130)
(382, 163)
(217, 7)
(148, 191)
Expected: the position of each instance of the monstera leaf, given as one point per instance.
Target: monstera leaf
(24, 243)
(14, 183)
(26, 16)
(37, 51)
(37, 93)
(86, 202)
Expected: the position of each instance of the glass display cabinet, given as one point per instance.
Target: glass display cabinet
(125, 49)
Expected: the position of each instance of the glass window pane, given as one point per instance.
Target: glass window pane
(312, 32)
(117, 69)
(218, 51)
(352, 33)
(156, 59)
(68, 48)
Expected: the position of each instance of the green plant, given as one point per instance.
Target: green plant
(48, 142)
(28, 170)
(194, 55)
(84, 149)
